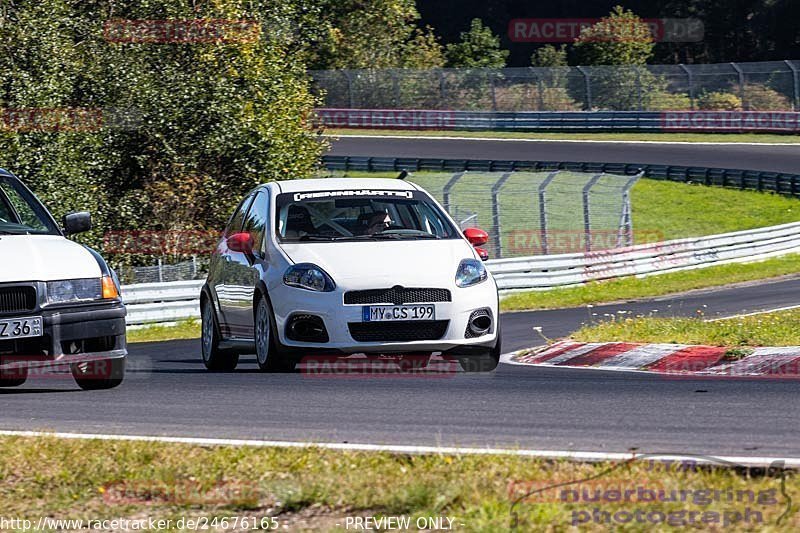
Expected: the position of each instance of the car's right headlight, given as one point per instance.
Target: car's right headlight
(470, 272)
(308, 276)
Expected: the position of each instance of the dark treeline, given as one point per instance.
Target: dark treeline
(735, 30)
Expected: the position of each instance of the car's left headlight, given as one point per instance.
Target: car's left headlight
(470, 272)
(81, 290)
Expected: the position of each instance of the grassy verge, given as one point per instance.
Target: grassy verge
(633, 288)
(662, 137)
(185, 329)
(312, 489)
(781, 328)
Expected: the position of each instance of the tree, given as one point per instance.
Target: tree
(621, 38)
(479, 47)
(550, 56)
(187, 127)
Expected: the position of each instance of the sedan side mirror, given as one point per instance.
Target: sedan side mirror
(79, 222)
(241, 242)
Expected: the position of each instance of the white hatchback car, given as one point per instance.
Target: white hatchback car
(345, 266)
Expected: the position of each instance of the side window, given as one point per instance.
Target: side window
(256, 221)
(237, 219)
(27, 216)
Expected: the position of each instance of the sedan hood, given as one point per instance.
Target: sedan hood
(374, 264)
(44, 258)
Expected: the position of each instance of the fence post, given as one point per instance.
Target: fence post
(795, 86)
(350, 99)
(587, 219)
(740, 72)
(588, 85)
(160, 272)
(625, 235)
(496, 214)
(446, 190)
(639, 87)
(494, 95)
(690, 79)
(395, 88)
(442, 90)
(543, 210)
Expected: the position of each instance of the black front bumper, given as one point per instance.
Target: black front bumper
(70, 334)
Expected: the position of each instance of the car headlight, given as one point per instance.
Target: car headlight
(74, 290)
(470, 272)
(308, 276)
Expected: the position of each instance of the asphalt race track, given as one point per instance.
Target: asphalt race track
(774, 158)
(168, 392)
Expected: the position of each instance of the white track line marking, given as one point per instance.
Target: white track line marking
(507, 139)
(754, 313)
(791, 462)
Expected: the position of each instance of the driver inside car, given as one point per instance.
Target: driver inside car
(378, 222)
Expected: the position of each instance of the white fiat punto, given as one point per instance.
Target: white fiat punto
(344, 266)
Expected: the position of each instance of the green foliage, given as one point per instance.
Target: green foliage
(759, 97)
(204, 121)
(550, 56)
(423, 51)
(719, 101)
(621, 38)
(478, 48)
(666, 101)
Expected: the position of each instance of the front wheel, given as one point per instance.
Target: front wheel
(99, 375)
(267, 355)
(214, 359)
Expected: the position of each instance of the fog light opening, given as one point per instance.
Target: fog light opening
(479, 325)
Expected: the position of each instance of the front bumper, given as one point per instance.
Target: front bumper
(76, 334)
(337, 317)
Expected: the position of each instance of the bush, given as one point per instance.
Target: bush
(664, 101)
(719, 101)
(759, 97)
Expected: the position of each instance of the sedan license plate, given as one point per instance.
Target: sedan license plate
(389, 313)
(20, 328)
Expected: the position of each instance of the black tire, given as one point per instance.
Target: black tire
(485, 362)
(214, 359)
(268, 356)
(13, 377)
(99, 375)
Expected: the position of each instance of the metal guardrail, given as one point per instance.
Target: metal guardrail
(650, 121)
(781, 183)
(168, 302)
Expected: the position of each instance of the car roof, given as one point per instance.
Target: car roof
(4, 172)
(342, 184)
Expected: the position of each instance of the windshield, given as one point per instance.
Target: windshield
(20, 212)
(355, 215)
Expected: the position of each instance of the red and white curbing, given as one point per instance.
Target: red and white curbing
(672, 359)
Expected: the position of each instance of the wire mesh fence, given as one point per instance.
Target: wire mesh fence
(761, 86)
(162, 272)
(538, 213)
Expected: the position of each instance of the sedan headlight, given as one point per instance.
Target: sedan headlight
(470, 272)
(308, 276)
(81, 290)
(74, 290)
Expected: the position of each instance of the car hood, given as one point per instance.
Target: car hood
(44, 258)
(372, 264)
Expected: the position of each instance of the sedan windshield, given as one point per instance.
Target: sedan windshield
(356, 215)
(20, 212)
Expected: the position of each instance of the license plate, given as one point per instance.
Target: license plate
(389, 313)
(20, 328)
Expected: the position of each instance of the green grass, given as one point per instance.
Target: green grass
(663, 137)
(636, 288)
(185, 329)
(780, 328)
(313, 489)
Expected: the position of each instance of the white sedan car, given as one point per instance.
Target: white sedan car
(345, 266)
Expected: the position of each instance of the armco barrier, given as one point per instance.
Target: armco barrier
(781, 183)
(168, 302)
(652, 121)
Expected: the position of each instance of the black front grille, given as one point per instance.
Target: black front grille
(396, 296)
(400, 331)
(17, 299)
